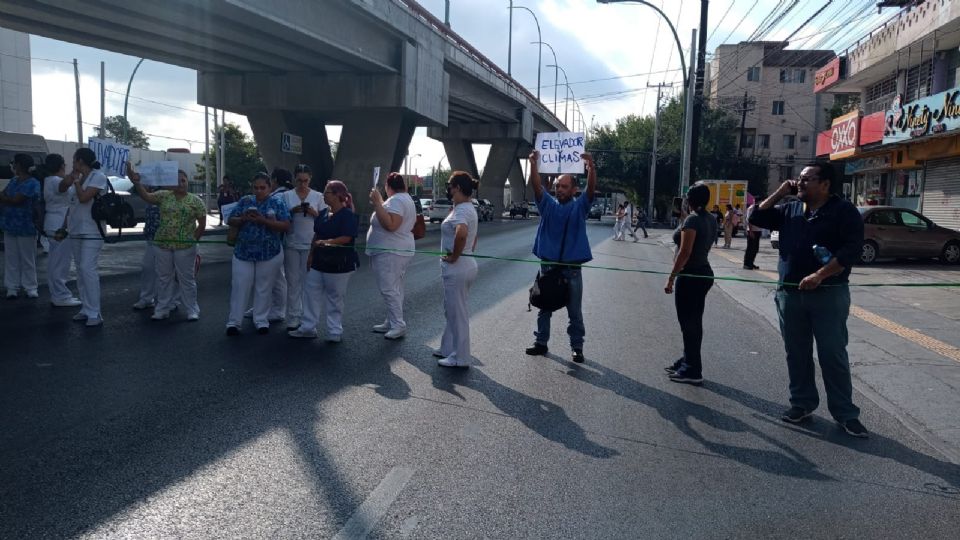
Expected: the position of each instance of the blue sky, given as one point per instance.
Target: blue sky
(610, 54)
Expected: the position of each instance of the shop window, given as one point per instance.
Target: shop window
(789, 142)
(747, 141)
(753, 73)
(800, 76)
(777, 108)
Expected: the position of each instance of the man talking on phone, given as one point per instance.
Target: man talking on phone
(820, 240)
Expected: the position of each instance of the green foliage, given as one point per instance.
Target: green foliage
(622, 152)
(242, 159)
(113, 129)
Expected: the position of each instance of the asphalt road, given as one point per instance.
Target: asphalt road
(144, 429)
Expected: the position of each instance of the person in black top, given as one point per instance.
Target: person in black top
(820, 240)
(693, 239)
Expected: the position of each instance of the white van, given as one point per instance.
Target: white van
(19, 143)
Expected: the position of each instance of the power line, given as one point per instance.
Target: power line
(155, 102)
(36, 58)
(619, 77)
(720, 22)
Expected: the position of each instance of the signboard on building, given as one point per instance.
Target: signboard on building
(844, 136)
(872, 163)
(871, 128)
(827, 75)
(823, 143)
(931, 115)
(291, 144)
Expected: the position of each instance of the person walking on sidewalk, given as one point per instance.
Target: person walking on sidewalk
(820, 240)
(753, 241)
(693, 240)
(641, 224)
(618, 224)
(729, 223)
(562, 237)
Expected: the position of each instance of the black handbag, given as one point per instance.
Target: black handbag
(551, 289)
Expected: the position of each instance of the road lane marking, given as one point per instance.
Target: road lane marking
(931, 344)
(369, 513)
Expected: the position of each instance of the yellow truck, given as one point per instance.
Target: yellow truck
(724, 192)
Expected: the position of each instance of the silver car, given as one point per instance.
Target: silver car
(899, 232)
(439, 209)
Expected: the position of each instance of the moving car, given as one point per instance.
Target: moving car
(596, 212)
(532, 209)
(438, 210)
(899, 232)
(517, 209)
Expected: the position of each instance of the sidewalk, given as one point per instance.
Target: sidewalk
(904, 341)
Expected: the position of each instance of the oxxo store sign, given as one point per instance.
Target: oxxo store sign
(841, 140)
(931, 115)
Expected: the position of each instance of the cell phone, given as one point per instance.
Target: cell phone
(793, 187)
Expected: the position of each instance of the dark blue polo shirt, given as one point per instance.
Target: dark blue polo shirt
(837, 226)
(554, 217)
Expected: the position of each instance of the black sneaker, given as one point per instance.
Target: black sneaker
(855, 429)
(537, 350)
(686, 376)
(578, 356)
(672, 368)
(795, 415)
(233, 331)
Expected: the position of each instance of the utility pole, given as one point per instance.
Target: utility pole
(206, 156)
(76, 79)
(653, 154)
(745, 107)
(688, 120)
(103, 96)
(446, 13)
(698, 88)
(223, 143)
(510, 41)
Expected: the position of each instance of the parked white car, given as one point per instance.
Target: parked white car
(438, 210)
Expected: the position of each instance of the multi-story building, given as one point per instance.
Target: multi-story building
(901, 145)
(768, 87)
(16, 110)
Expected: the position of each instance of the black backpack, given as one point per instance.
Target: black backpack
(108, 207)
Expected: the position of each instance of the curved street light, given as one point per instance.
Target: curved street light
(126, 100)
(539, 38)
(555, 74)
(676, 38)
(566, 100)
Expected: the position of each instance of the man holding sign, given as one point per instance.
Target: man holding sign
(562, 237)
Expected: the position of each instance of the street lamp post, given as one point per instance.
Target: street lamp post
(539, 39)
(669, 23)
(566, 100)
(126, 99)
(555, 74)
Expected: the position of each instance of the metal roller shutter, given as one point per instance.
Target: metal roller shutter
(941, 192)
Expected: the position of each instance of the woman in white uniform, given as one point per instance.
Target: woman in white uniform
(391, 228)
(458, 237)
(57, 203)
(305, 205)
(86, 239)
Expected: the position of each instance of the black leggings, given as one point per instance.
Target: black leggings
(690, 295)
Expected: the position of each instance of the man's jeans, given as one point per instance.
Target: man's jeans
(819, 314)
(574, 310)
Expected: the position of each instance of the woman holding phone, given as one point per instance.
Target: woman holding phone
(305, 205)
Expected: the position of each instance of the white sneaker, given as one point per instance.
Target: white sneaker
(33, 294)
(95, 321)
(79, 317)
(396, 333)
(381, 328)
(333, 338)
(451, 361)
(193, 317)
(143, 304)
(11, 295)
(298, 333)
(69, 302)
(293, 323)
(160, 315)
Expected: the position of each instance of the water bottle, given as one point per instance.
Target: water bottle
(822, 254)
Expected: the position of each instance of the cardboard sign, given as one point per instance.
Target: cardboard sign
(227, 209)
(112, 156)
(159, 173)
(560, 152)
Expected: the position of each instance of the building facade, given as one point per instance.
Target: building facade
(16, 98)
(903, 77)
(768, 88)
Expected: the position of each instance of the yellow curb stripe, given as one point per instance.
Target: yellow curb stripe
(931, 344)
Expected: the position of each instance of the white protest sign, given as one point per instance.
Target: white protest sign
(227, 209)
(376, 176)
(560, 152)
(112, 156)
(159, 173)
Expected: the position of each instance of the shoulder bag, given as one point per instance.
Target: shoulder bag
(551, 289)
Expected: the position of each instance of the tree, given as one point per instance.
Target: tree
(242, 158)
(113, 127)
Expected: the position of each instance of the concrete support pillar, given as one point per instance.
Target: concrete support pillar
(518, 184)
(460, 156)
(371, 139)
(268, 127)
(501, 159)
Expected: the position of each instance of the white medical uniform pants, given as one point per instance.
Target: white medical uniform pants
(330, 289)
(179, 264)
(457, 279)
(295, 269)
(148, 274)
(20, 263)
(259, 276)
(278, 302)
(390, 269)
(86, 254)
(58, 269)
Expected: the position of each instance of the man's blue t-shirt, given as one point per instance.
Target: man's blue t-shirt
(553, 218)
